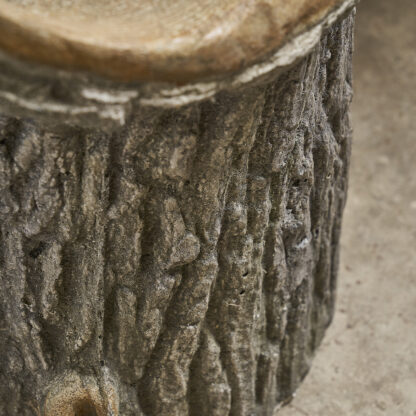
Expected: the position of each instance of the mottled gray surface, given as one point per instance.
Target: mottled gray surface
(183, 264)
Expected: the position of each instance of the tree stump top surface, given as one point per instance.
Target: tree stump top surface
(154, 40)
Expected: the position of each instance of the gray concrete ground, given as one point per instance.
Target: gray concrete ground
(367, 363)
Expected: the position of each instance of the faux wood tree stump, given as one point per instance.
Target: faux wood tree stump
(172, 182)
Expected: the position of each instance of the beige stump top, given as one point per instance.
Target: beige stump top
(155, 40)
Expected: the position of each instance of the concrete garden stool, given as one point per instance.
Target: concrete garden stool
(172, 181)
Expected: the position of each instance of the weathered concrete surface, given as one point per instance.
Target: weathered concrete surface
(367, 364)
(184, 263)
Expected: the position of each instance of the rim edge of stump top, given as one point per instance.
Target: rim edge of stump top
(177, 42)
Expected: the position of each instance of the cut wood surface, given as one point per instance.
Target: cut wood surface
(154, 40)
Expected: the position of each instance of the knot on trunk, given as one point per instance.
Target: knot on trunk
(76, 395)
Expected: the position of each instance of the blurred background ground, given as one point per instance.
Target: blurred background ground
(366, 365)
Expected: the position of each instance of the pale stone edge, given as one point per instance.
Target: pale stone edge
(298, 47)
(113, 102)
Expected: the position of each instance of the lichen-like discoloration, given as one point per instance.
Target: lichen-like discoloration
(204, 232)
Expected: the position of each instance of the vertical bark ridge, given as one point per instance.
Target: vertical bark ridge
(208, 375)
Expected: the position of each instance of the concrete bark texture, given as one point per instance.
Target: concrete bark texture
(184, 264)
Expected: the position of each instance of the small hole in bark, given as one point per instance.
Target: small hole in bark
(84, 408)
(245, 274)
(296, 183)
(242, 292)
(102, 363)
(26, 301)
(34, 253)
